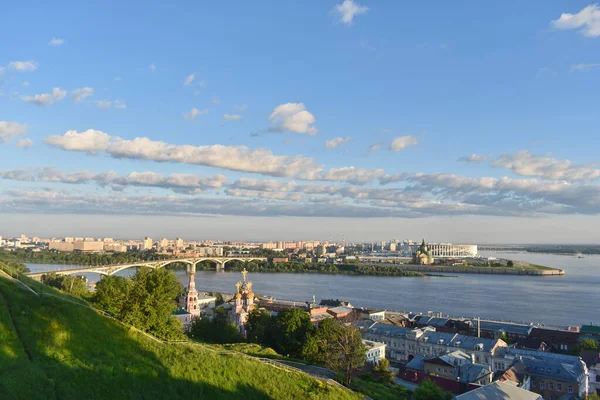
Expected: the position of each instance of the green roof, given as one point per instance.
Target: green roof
(590, 329)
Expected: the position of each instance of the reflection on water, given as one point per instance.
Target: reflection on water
(556, 300)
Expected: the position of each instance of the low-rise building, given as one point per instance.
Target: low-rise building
(552, 375)
(374, 315)
(403, 344)
(558, 341)
(375, 351)
(184, 317)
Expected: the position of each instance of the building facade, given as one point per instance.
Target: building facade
(375, 351)
(403, 344)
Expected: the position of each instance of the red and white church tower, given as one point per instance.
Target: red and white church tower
(189, 300)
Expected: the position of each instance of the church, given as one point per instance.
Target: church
(244, 303)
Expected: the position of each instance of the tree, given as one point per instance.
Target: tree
(588, 344)
(338, 347)
(428, 390)
(146, 301)
(510, 263)
(259, 327)
(112, 292)
(216, 330)
(76, 285)
(382, 371)
(291, 330)
(219, 299)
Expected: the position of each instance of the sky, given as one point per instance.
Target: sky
(356, 119)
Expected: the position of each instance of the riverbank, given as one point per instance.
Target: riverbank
(532, 271)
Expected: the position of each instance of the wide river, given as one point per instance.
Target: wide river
(572, 299)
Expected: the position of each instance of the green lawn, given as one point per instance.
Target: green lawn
(79, 354)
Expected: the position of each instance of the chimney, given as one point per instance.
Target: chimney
(472, 358)
(478, 327)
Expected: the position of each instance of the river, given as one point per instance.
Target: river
(572, 299)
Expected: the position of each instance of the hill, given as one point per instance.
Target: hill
(51, 348)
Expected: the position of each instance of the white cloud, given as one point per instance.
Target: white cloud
(189, 79)
(117, 79)
(587, 21)
(403, 142)
(526, 164)
(80, 94)
(56, 42)
(1, 70)
(215, 100)
(119, 104)
(584, 67)
(90, 141)
(9, 130)
(352, 175)
(24, 143)
(194, 113)
(293, 117)
(152, 67)
(232, 117)
(25, 83)
(103, 103)
(373, 148)
(241, 107)
(347, 10)
(235, 158)
(336, 142)
(23, 66)
(474, 158)
(46, 99)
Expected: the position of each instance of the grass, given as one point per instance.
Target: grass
(379, 391)
(77, 353)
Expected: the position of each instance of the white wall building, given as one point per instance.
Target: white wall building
(375, 351)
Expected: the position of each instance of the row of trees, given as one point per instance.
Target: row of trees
(76, 285)
(76, 258)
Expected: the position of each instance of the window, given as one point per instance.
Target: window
(598, 378)
(558, 386)
(570, 389)
(541, 384)
(550, 398)
(551, 386)
(533, 384)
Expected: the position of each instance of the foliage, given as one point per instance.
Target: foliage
(504, 337)
(428, 390)
(78, 258)
(286, 333)
(216, 330)
(75, 285)
(589, 344)
(382, 371)
(219, 299)
(337, 346)
(146, 301)
(510, 263)
(9, 259)
(79, 354)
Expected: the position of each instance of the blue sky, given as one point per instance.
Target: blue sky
(512, 84)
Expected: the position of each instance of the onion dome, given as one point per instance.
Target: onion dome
(238, 295)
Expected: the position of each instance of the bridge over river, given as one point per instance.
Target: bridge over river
(113, 269)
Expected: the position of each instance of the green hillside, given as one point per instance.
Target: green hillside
(50, 348)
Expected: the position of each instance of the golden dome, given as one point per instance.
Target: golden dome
(238, 295)
(249, 294)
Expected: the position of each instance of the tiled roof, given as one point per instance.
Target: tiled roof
(508, 327)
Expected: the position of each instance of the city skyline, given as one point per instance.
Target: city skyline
(375, 123)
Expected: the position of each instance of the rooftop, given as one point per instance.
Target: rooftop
(499, 391)
(369, 344)
(559, 367)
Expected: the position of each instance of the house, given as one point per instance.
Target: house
(518, 375)
(559, 341)
(335, 303)
(403, 344)
(499, 390)
(590, 332)
(594, 378)
(536, 344)
(455, 372)
(375, 351)
(184, 317)
(374, 315)
(552, 375)
(319, 314)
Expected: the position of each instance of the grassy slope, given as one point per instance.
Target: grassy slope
(80, 354)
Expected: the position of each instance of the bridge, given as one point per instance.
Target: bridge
(113, 269)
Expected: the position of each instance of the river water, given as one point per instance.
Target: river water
(572, 299)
